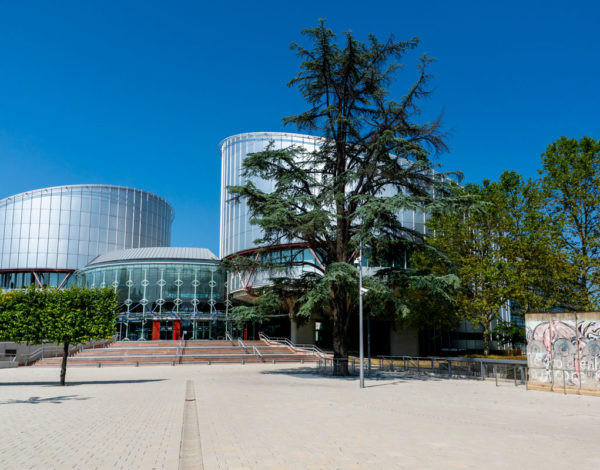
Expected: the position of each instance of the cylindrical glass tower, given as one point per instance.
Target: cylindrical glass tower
(236, 232)
(48, 233)
(238, 235)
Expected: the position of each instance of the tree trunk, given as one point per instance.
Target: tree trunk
(63, 365)
(340, 348)
(486, 341)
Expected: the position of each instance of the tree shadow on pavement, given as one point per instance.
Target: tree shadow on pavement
(54, 383)
(38, 400)
(385, 378)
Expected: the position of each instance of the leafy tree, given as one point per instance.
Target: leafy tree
(68, 316)
(432, 302)
(508, 332)
(571, 184)
(503, 251)
(373, 162)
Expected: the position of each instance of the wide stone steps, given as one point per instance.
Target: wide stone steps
(139, 353)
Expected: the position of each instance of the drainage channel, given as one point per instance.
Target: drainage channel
(190, 450)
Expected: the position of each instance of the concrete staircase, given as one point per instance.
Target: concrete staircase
(138, 353)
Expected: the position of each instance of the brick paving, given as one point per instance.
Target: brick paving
(273, 417)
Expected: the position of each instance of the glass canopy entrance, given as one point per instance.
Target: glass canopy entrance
(154, 328)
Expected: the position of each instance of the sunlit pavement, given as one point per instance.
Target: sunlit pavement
(284, 416)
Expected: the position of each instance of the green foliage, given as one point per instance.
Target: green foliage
(68, 316)
(508, 332)
(74, 315)
(571, 184)
(373, 161)
(502, 250)
(78, 314)
(429, 286)
(340, 280)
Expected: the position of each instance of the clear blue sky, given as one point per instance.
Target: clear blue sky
(141, 93)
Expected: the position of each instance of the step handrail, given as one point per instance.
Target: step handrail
(180, 346)
(229, 338)
(243, 345)
(57, 350)
(284, 341)
(315, 350)
(258, 353)
(312, 348)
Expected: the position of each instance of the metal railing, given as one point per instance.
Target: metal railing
(228, 337)
(258, 353)
(243, 345)
(180, 348)
(449, 367)
(310, 348)
(56, 350)
(277, 340)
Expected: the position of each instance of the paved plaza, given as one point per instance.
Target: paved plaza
(284, 417)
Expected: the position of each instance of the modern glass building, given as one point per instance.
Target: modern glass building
(238, 235)
(164, 292)
(47, 234)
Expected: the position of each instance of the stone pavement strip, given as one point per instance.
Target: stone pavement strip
(190, 451)
(266, 416)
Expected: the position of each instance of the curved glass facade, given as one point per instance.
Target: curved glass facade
(163, 290)
(237, 234)
(63, 228)
(22, 279)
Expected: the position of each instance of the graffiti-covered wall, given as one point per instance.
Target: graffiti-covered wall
(563, 351)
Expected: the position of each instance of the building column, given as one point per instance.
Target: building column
(304, 333)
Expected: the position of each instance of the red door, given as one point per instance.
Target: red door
(176, 330)
(155, 330)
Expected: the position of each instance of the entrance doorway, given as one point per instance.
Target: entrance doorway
(166, 330)
(174, 329)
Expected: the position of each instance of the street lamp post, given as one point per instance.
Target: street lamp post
(369, 343)
(360, 315)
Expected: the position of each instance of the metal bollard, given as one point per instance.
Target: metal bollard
(449, 369)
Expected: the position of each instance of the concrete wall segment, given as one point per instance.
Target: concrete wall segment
(563, 351)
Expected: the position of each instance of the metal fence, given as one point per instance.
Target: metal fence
(500, 370)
